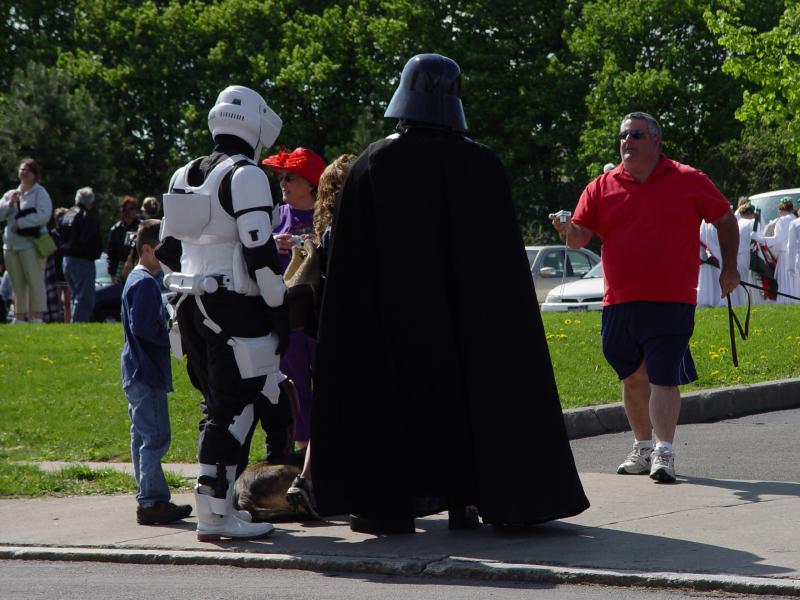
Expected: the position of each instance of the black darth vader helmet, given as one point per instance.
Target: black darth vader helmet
(429, 92)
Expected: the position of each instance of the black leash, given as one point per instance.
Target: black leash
(734, 320)
(758, 287)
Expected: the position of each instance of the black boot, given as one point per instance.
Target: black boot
(462, 517)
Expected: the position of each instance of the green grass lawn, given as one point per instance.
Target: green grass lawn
(60, 396)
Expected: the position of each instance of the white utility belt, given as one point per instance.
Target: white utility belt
(255, 356)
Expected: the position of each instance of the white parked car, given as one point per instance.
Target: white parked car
(768, 202)
(547, 266)
(581, 295)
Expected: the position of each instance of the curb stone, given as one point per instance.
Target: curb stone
(696, 407)
(460, 568)
(447, 568)
(353, 564)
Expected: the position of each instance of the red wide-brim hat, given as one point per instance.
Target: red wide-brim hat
(301, 161)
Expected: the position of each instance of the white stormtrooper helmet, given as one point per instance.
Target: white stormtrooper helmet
(242, 112)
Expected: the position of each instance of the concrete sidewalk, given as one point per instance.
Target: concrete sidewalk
(702, 533)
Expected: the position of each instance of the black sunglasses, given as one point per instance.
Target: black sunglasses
(287, 177)
(636, 134)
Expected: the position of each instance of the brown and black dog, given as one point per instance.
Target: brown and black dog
(261, 490)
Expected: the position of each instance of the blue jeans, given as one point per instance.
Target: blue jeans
(150, 437)
(80, 276)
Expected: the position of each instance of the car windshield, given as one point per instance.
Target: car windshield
(531, 256)
(595, 272)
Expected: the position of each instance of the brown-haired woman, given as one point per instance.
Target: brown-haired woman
(301, 494)
(27, 210)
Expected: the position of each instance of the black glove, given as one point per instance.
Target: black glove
(169, 252)
(280, 319)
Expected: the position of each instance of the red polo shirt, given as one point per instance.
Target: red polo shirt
(650, 230)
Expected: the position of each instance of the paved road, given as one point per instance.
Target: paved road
(759, 447)
(23, 580)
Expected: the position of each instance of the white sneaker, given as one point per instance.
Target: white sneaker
(636, 463)
(663, 468)
(18, 322)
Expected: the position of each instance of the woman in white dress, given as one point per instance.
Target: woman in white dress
(708, 290)
(793, 260)
(739, 295)
(778, 243)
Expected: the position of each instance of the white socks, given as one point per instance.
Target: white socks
(663, 448)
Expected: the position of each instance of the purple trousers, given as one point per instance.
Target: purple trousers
(296, 365)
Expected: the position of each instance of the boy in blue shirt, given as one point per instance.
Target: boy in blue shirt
(146, 380)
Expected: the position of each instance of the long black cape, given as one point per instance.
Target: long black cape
(433, 380)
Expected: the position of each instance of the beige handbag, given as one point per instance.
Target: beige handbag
(304, 267)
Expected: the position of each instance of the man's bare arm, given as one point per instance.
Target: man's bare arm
(728, 234)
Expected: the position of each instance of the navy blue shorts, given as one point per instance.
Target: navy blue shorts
(657, 333)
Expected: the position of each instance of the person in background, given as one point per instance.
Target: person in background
(745, 221)
(301, 494)
(740, 205)
(79, 230)
(708, 292)
(121, 238)
(151, 207)
(27, 209)
(778, 244)
(62, 287)
(146, 381)
(298, 172)
(647, 212)
(54, 279)
(6, 294)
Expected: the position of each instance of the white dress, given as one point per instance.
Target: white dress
(793, 260)
(739, 295)
(778, 243)
(708, 290)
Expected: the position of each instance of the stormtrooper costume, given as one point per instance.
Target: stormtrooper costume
(232, 324)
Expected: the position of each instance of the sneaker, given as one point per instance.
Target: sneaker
(162, 512)
(663, 469)
(18, 321)
(36, 321)
(637, 462)
(300, 497)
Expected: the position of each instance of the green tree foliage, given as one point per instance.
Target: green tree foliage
(660, 57)
(160, 66)
(518, 97)
(545, 81)
(33, 31)
(764, 53)
(58, 123)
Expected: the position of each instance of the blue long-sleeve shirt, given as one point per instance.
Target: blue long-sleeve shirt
(145, 353)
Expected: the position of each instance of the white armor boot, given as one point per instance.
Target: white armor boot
(216, 517)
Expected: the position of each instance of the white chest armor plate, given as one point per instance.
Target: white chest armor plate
(208, 234)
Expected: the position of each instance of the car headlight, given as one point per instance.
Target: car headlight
(552, 297)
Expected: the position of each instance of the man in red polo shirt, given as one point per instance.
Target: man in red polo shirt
(647, 212)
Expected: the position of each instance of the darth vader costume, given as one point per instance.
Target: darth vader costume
(433, 383)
